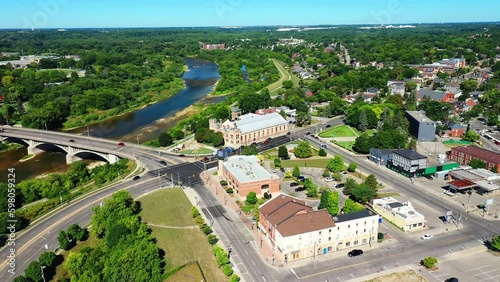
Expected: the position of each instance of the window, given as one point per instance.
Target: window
(329, 231)
(364, 230)
(349, 226)
(356, 232)
(320, 233)
(319, 241)
(365, 223)
(356, 225)
(355, 242)
(329, 239)
(330, 249)
(348, 244)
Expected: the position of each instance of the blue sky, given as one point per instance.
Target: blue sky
(168, 13)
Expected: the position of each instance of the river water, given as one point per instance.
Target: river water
(143, 125)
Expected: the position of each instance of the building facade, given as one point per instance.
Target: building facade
(408, 162)
(245, 174)
(421, 126)
(464, 154)
(380, 156)
(396, 87)
(250, 128)
(296, 231)
(402, 215)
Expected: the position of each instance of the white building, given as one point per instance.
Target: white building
(251, 128)
(402, 215)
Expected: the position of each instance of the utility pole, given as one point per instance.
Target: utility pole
(172, 179)
(468, 201)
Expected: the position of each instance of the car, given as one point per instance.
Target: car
(426, 236)
(301, 178)
(273, 170)
(300, 188)
(329, 179)
(121, 144)
(328, 126)
(71, 140)
(307, 133)
(289, 133)
(136, 177)
(355, 253)
(293, 184)
(205, 159)
(282, 169)
(163, 162)
(340, 185)
(452, 279)
(323, 146)
(182, 155)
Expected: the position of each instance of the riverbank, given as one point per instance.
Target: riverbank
(7, 146)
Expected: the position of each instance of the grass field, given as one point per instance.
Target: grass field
(345, 144)
(189, 273)
(338, 131)
(284, 75)
(455, 143)
(200, 151)
(306, 163)
(370, 132)
(171, 207)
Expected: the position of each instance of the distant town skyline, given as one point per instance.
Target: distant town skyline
(155, 13)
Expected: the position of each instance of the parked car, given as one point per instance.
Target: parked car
(273, 170)
(308, 133)
(121, 144)
(301, 178)
(340, 185)
(299, 189)
(329, 179)
(452, 279)
(182, 155)
(71, 140)
(323, 146)
(355, 253)
(328, 126)
(426, 236)
(293, 184)
(136, 177)
(163, 162)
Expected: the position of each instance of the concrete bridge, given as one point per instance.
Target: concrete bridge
(74, 151)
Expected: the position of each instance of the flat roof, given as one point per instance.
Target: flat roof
(247, 169)
(489, 186)
(419, 116)
(479, 153)
(252, 122)
(353, 215)
(465, 174)
(462, 184)
(409, 154)
(406, 210)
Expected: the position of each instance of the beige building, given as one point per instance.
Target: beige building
(245, 174)
(402, 215)
(250, 128)
(296, 231)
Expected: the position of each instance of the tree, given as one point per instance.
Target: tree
(64, 242)
(311, 188)
(322, 152)
(250, 150)
(47, 259)
(470, 136)
(330, 202)
(372, 182)
(363, 193)
(352, 167)
(429, 262)
(76, 232)
(303, 150)
(177, 134)
(494, 169)
(283, 152)
(221, 256)
(165, 139)
(227, 270)
(351, 206)
(468, 86)
(363, 121)
(336, 164)
(277, 162)
(34, 271)
(287, 84)
(212, 239)
(296, 171)
(349, 186)
(234, 278)
(477, 163)
(362, 144)
(413, 143)
(495, 243)
(251, 198)
(326, 173)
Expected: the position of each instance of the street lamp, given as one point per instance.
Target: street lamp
(43, 276)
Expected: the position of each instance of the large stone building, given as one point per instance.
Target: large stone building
(464, 154)
(250, 128)
(421, 126)
(296, 231)
(244, 174)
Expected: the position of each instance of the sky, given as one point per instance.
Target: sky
(186, 13)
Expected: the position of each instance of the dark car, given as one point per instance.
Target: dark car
(300, 188)
(328, 126)
(136, 177)
(205, 159)
(121, 144)
(340, 185)
(301, 178)
(289, 133)
(293, 184)
(452, 279)
(182, 155)
(355, 253)
(307, 133)
(71, 140)
(163, 162)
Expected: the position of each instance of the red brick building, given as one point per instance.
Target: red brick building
(465, 154)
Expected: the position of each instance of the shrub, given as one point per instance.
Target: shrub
(234, 278)
(223, 182)
(227, 270)
(326, 173)
(251, 198)
(352, 167)
(206, 229)
(212, 239)
(322, 152)
(380, 236)
(429, 262)
(495, 243)
(229, 190)
(194, 212)
(200, 221)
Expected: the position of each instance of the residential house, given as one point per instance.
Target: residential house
(205, 46)
(408, 163)
(396, 87)
(421, 126)
(245, 174)
(380, 156)
(403, 215)
(456, 129)
(250, 128)
(296, 231)
(464, 154)
(435, 95)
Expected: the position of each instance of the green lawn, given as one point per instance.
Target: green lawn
(201, 151)
(284, 75)
(345, 144)
(370, 132)
(171, 207)
(338, 131)
(306, 163)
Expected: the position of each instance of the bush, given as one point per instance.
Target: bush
(429, 262)
(267, 195)
(380, 236)
(234, 278)
(223, 182)
(251, 198)
(495, 243)
(229, 190)
(326, 173)
(227, 270)
(212, 239)
(322, 152)
(200, 221)
(206, 229)
(352, 167)
(194, 212)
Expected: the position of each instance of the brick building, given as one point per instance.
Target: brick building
(464, 154)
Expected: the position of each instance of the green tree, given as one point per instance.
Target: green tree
(47, 259)
(296, 171)
(21, 279)
(283, 152)
(221, 256)
(251, 198)
(477, 163)
(212, 239)
(277, 162)
(177, 134)
(330, 202)
(227, 270)
(34, 271)
(250, 150)
(372, 182)
(362, 144)
(311, 188)
(363, 193)
(287, 84)
(303, 150)
(349, 186)
(352, 167)
(234, 278)
(76, 232)
(470, 136)
(326, 173)
(322, 152)
(336, 164)
(351, 206)
(165, 139)
(429, 262)
(495, 243)
(64, 242)
(363, 121)
(468, 86)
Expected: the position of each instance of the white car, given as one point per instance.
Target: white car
(329, 179)
(273, 170)
(426, 236)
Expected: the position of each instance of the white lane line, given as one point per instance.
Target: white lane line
(293, 271)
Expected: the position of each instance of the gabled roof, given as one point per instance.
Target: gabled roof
(431, 94)
(252, 122)
(305, 223)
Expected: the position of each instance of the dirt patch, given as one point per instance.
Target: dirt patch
(407, 276)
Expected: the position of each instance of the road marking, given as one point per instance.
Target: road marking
(253, 262)
(478, 268)
(293, 271)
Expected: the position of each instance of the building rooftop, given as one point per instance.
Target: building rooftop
(462, 184)
(353, 215)
(409, 154)
(419, 116)
(247, 169)
(465, 174)
(404, 210)
(305, 223)
(383, 151)
(252, 122)
(431, 94)
(489, 186)
(479, 153)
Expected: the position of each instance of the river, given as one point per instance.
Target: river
(142, 125)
